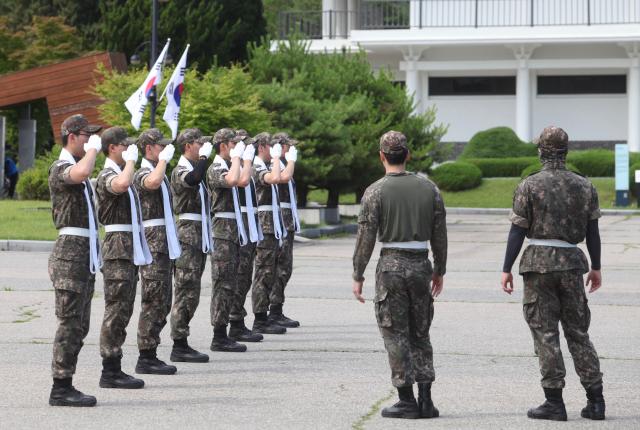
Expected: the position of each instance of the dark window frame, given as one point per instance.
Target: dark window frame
(472, 86)
(564, 85)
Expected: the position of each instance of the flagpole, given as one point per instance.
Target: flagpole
(154, 53)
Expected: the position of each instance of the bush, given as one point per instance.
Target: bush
(538, 166)
(498, 142)
(457, 176)
(594, 162)
(502, 167)
(632, 178)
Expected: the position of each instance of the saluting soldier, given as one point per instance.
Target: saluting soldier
(124, 249)
(191, 205)
(160, 230)
(557, 209)
(407, 214)
(76, 254)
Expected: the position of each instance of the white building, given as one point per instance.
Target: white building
(524, 64)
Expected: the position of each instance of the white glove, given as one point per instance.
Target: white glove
(167, 153)
(237, 150)
(95, 142)
(276, 151)
(205, 150)
(249, 153)
(131, 154)
(291, 154)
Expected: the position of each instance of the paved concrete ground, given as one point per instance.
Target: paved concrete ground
(332, 372)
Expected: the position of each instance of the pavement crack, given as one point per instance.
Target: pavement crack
(373, 410)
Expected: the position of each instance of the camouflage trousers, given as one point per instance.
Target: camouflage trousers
(404, 311)
(120, 279)
(74, 286)
(156, 300)
(284, 268)
(245, 273)
(224, 276)
(186, 289)
(264, 277)
(555, 297)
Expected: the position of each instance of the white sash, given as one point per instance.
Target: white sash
(207, 243)
(242, 234)
(95, 256)
(141, 253)
(278, 229)
(255, 231)
(294, 204)
(170, 227)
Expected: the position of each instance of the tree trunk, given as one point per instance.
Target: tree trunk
(302, 192)
(334, 198)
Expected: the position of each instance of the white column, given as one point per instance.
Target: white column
(633, 97)
(328, 19)
(413, 85)
(523, 101)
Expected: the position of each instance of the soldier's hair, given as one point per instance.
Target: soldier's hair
(216, 147)
(396, 158)
(65, 140)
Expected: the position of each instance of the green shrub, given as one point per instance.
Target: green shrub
(632, 178)
(502, 167)
(498, 142)
(457, 176)
(594, 162)
(538, 166)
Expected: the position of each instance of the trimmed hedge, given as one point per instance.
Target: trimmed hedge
(632, 178)
(502, 167)
(456, 176)
(498, 142)
(538, 166)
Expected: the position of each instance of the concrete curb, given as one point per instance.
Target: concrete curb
(314, 233)
(505, 211)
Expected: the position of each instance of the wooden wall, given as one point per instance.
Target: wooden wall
(66, 86)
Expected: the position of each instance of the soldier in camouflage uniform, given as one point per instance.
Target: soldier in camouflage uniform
(189, 192)
(284, 259)
(223, 176)
(556, 209)
(119, 271)
(71, 268)
(267, 174)
(238, 331)
(151, 184)
(407, 213)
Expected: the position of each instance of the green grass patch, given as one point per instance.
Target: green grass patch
(26, 314)
(26, 219)
(320, 196)
(375, 408)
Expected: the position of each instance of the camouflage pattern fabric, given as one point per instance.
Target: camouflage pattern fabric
(404, 312)
(114, 208)
(68, 204)
(186, 199)
(152, 208)
(224, 268)
(221, 201)
(555, 297)
(156, 299)
(554, 203)
(284, 268)
(265, 273)
(76, 124)
(188, 276)
(264, 196)
(393, 141)
(247, 256)
(553, 143)
(120, 279)
(152, 136)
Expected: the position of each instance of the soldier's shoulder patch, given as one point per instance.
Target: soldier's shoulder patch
(57, 164)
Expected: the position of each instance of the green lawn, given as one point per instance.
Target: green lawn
(26, 219)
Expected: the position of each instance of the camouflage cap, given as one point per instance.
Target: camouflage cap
(77, 123)
(249, 141)
(242, 133)
(115, 136)
(203, 139)
(189, 135)
(263, 138)
(281, 137)
(393, 141)
(226, 135)
(553, 140)
(152, 136)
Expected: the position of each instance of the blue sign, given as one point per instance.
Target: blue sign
(622, 174)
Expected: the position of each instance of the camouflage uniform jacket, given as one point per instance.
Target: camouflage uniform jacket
(263, 195)
(554, 204)
(284, 197)
(421, 198)
(114, 208)
(152, 208)
(221, 201)
(68, 209)
(186, 199)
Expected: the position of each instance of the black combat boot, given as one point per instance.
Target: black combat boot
(181, 351)
(148, 363)
(64, 394)
(276, 316)
(552, 409)
(427, 410)
(221, 341)
(262, 325)
(595, 403)
(405, 408)
(241, 333)
(113, 376)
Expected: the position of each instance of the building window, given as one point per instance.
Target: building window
(473, 86)
(582, 84)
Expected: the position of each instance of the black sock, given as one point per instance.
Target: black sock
(220, 332)
(276, 309)
(180, 343)
(148, 353)
(406, 393)
(62, 383)
(261, 316)
(237, 324)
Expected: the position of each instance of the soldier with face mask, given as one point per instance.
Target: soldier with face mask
(556, 209)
